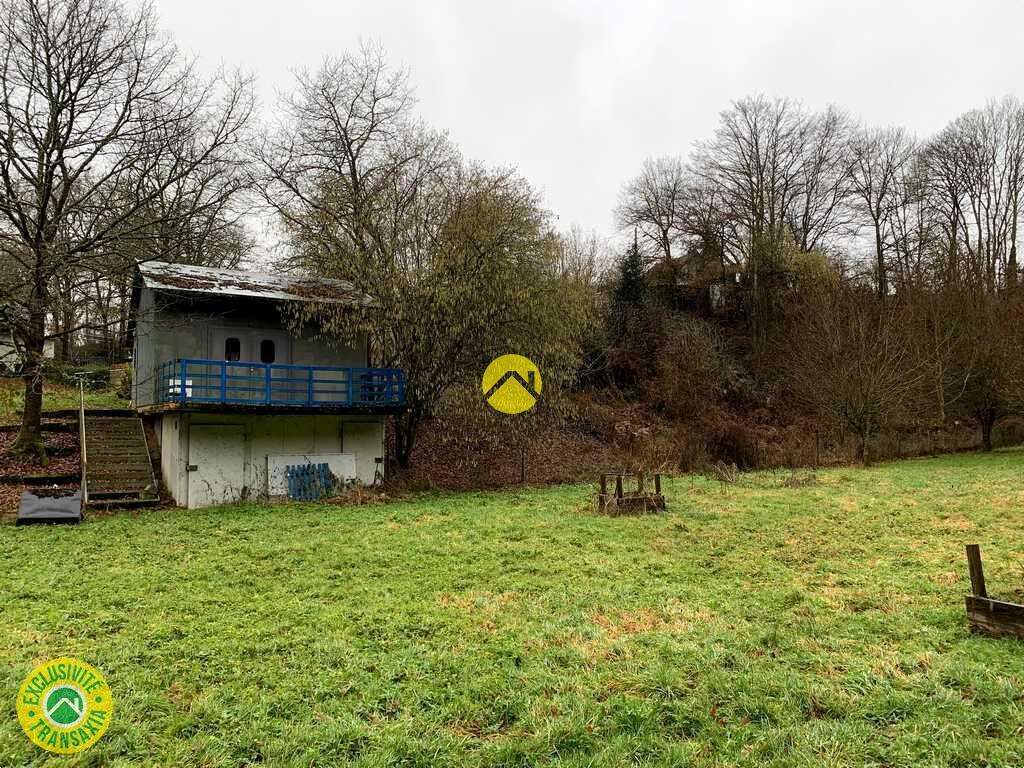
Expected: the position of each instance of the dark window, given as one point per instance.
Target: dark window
(232, 349)
(267, 351)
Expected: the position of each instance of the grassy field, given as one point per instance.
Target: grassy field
(755, 624)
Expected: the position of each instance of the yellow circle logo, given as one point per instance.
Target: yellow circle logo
(64, 706)
(512, 384)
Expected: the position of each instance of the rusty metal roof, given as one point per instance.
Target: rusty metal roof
(186, 278)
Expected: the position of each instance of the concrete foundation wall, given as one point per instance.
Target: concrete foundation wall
(219, 476)
(172, 459)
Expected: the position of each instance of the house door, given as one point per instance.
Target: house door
(216, 464)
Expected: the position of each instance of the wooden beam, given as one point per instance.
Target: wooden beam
(976, 571)
(994, 617)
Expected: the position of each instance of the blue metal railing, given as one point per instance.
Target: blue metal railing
(249, 383)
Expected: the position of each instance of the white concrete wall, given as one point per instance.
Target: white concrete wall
(364, 439)
(173, 432)
(264, 435)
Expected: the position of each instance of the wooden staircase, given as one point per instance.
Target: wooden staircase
(116, 469)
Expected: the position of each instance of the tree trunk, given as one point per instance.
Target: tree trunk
(405, 438)
(865, 458)
(1011, 265)
(30, 438)
(987, 418)
(65, 318)
(883, 283)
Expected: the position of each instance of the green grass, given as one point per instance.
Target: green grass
(55, 397)
(752, 625)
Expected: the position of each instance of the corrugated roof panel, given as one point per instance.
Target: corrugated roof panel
(186, 278)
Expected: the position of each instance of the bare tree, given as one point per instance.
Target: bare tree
(459, 258)
(654, 202)
(821, 211)
(975, 179)
(100, 118)
(777, 176)
(755, 162)
(583, 256)
(850, 359)
(878, 159)
(911, 230)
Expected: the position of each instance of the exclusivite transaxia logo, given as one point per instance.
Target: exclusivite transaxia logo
(64, 705)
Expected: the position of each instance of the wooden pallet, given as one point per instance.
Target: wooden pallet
(309, 482)
(985, 615)
(628, 502)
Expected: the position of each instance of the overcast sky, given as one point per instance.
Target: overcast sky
(577, 94)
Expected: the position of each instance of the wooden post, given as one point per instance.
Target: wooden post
(657, 483)
(81, 441)
(618, 486)
(976, 571)
(604, 484)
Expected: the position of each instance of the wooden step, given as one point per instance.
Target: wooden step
(137, 474)
(126, 503)
(111, 492)
(92, 413)
(118, 466)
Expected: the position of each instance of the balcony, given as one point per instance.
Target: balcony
(250, 385)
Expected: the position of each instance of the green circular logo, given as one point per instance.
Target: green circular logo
(64, 706)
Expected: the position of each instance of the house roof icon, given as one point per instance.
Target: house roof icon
(512, 384)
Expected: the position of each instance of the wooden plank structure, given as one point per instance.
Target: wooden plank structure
(991, 617)
(309, 482)
(619, 501)
(116, 467)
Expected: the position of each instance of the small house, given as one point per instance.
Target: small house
(12, 360)
(234, 396)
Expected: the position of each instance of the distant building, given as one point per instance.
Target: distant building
(702, 287)
(11, 359)
(235, 397)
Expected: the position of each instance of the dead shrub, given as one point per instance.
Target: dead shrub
(691, 370)
(1009, 432)
(725, 473)
(800, 479)
(689, 449)
(733, 443)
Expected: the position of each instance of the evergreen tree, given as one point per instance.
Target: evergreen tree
(631, 289)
